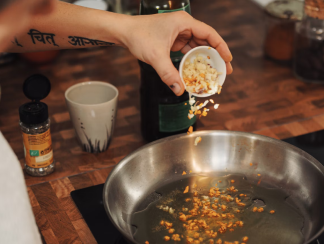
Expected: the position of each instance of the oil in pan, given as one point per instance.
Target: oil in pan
(264, 215)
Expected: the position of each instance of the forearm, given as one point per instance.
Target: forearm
(70, 26)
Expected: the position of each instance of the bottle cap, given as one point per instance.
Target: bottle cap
(35, 87)
(33, 113)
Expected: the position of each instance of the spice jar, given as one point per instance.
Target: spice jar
(309, 45)
(35, 127)
(281, 17)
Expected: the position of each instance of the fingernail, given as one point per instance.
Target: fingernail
(175, 88)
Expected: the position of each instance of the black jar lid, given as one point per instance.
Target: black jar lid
(36, 88)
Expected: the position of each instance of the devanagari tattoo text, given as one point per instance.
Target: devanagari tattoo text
(44, 38)
(82, 41)
(37, 37)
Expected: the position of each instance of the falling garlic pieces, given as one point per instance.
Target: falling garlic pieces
(197, 140)
(197, 110)
(190, 130)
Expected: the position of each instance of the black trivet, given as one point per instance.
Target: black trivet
(90, 205)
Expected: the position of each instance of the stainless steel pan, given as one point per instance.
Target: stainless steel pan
(281, 165)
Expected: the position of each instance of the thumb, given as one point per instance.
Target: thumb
(169, 74)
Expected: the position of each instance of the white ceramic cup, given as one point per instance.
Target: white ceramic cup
(93, 107)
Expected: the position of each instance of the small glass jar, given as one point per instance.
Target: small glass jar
(281, 17)
(36, 129)
(309, 44)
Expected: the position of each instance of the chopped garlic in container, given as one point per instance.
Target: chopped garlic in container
(200, 77)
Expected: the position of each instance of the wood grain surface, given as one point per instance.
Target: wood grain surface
(261, 97)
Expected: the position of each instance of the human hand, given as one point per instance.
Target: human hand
(151, 37)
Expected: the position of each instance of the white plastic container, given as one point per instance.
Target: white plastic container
(215, 61)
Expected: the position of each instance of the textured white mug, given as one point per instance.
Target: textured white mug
(93, 107)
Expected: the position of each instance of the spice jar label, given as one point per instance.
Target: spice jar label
(38, 149)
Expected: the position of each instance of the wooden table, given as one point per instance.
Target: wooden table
(260, 97)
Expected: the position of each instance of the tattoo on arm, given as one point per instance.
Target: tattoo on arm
(49, 38)
(42, 37)
(82, 41)
(16, 42)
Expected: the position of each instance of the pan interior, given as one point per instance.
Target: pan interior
(284, 226)
(282, 166)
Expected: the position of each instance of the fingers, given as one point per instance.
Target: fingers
(186, 49)
(223, 50)
(229, 68)
(192, 44)
(169, 74)
(181, 40)
(206, 35)
(201, 31)
(198, 42)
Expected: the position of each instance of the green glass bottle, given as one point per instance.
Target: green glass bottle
(162, 113)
